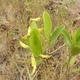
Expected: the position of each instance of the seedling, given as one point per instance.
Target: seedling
(73, 43)
(37, 40)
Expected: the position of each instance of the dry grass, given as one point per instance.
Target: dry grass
(15, 61)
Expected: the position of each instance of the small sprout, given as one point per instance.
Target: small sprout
(38, 42)
(34, 39)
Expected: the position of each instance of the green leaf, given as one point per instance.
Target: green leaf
(47, 24)
(74, 39)
(75, 49)
(56, 34)
(35, 42)
(66, 37)
(72, 61)
(78, 35)
(33, 25)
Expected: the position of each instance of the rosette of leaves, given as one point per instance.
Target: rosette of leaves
(36, 37)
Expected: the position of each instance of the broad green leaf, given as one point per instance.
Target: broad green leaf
(75, 49)
(72, 61)
(23, 44)
(56, 34)
(33, 61)
(35, 42)
(66, 37)
(76, 70)
(47, 24)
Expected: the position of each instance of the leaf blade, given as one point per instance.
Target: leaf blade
(47, 24)
(78, 36)
(66, 37)
(75, 49)
(35, 42)
(56, 34)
